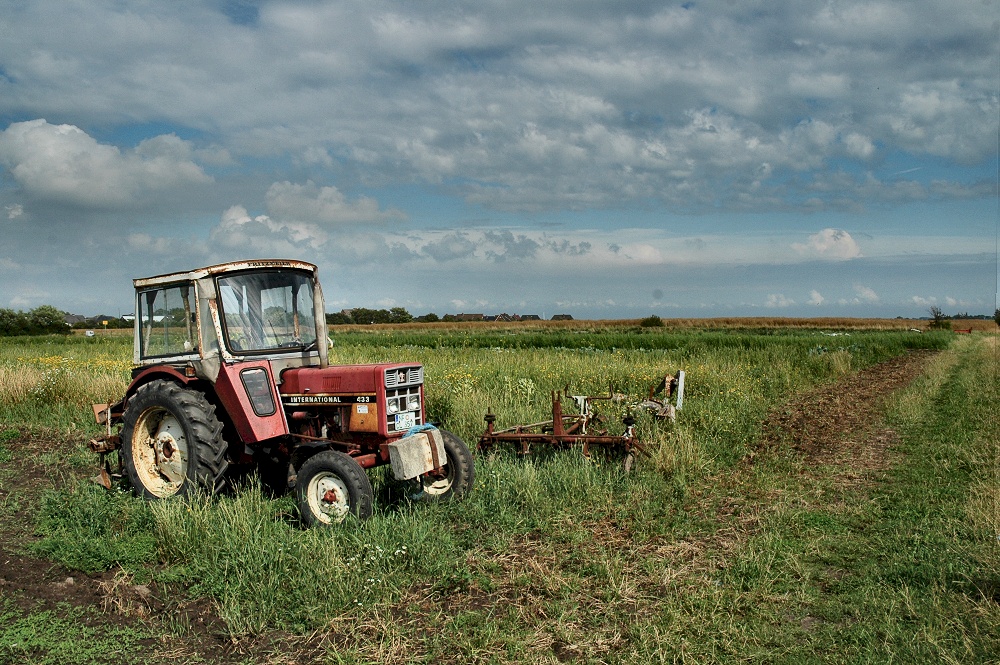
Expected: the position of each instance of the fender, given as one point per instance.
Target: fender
(254, 419)
(116, 410)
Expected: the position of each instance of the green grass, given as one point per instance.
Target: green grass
(61, 635)
(693, 557)
(86, 528)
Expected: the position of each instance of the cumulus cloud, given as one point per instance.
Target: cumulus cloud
(833, 244)
(816, 298)
(452, 246)
(62, 163)
(520, 110)
(263, 235)
(326, 205)
(865, 294)
(778, 300)
(509, 246)
(614, 112)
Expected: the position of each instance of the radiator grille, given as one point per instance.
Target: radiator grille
(404, 376)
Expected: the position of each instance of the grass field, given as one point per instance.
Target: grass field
(727, 545)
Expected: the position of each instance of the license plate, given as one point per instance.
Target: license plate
(405, 421)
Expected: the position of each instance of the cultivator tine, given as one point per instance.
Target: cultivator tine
(104, 445)
(103, 479)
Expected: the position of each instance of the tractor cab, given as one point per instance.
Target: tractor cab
(230, 313)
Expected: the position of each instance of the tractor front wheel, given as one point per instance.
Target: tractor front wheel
(455, 479)
(329, 487)
(172, 442)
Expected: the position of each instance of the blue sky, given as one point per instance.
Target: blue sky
(606, 160)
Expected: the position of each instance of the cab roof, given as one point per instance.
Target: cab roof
(222, 268)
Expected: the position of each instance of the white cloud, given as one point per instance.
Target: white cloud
(778, 300)
(815, 298)
(859, 146)
(62, 163)
(29, 297)
(588, 116)
(830, 244)
(237, 230)
(578, 105)
(323, 205)
(865, 294)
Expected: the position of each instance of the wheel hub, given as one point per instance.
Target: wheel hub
(329, 497)
(161, 462)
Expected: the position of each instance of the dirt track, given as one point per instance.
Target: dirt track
(842, 420)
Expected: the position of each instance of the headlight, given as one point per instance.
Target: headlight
(392, 406)
(257, 383)
(413, 404)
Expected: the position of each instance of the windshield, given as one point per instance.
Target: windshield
(267, 310)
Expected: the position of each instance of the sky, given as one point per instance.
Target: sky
(600, 159)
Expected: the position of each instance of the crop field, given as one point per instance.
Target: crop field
(827, 494)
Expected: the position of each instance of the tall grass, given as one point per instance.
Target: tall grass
(52, 381)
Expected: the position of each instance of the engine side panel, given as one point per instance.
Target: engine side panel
(384, 399)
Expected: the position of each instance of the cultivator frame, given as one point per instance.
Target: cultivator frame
(580, 429)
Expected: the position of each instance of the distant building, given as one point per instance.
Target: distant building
(562, 317)
(470, 317)
(530, 317)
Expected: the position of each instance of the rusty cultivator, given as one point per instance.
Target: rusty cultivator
(583, 428)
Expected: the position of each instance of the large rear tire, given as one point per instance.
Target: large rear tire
(329, 487)
(172, 442)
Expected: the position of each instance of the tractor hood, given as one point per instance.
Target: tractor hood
(345, 380)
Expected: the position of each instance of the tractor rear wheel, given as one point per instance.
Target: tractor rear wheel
(172, 442)
(455, 479)
(330, 486)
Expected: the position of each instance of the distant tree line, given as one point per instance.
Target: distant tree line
(943, 321)
(937, 313)
(43, 320)
(364, 316)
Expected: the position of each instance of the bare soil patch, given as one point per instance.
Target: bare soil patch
(37, 584)
(843, 423)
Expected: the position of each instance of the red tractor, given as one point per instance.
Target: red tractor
(232, 374)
